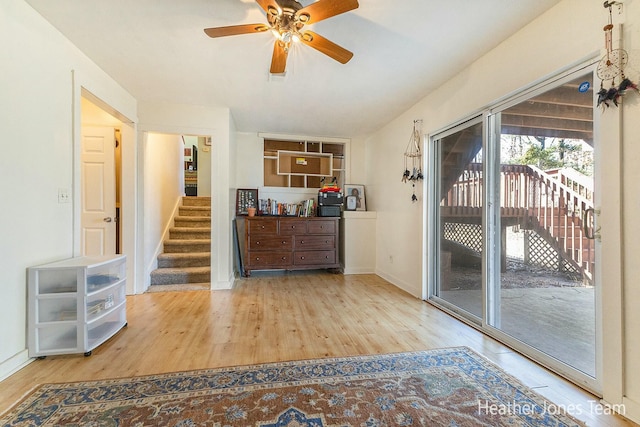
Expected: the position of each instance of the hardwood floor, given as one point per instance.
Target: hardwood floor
(278, 317)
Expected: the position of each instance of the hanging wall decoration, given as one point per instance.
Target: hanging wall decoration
(611, 66)
(413, 159)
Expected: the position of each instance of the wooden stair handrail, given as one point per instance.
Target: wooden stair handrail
(555, 207)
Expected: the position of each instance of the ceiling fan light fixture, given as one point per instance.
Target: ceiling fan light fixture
(273, 11)
(303, 18)
(286, 37)
(286, 20)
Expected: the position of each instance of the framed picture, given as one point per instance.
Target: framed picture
(355, 193)
(246, 198)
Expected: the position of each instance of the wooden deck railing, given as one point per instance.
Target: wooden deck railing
(552, 204)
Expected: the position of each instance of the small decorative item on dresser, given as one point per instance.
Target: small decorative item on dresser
(355, 195)
(245, 199)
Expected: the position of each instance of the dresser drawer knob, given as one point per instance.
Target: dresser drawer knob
(302, 241)
(257, 258)
(284, 242)
(257, 243)
(301, 257)
(284, 258)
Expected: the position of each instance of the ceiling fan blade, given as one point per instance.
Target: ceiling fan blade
(268, 4)
(326, 46)
(235, 30)
(279, 59)
(323, 9)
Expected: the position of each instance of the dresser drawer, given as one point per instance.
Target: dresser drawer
(263, 226)
(321, 227)
(314, 257)
(315, 242)
(290, 227)
(270, 259)
(266, 242)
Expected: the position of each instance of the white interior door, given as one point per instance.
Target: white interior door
(98, 201)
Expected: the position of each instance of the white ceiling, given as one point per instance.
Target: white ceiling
(157, 50)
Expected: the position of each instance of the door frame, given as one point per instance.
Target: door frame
(128, 184)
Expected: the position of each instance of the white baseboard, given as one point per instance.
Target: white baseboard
(14, 364)
(359, 270)
(398, 282)
(631, 409)
(224, 284)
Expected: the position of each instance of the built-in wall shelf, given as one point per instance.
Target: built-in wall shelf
(303, 164)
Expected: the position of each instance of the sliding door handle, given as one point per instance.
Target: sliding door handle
(589, 224)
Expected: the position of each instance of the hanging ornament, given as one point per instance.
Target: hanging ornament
(413, 159)
(627, 84)
(611, 66)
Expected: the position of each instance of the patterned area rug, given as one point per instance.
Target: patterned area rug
(444, 387)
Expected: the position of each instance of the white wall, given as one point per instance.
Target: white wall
(163, 191)
(38, 137)
(528, 56)
(182, 119)
(249, 170)
(567, 34)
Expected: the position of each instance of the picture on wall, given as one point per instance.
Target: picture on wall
(354, 197)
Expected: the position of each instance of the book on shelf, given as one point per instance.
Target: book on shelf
(272, 207)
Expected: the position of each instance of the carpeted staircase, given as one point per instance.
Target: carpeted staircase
(186, 261)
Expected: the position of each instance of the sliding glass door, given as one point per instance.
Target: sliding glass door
(513, 205)
(459, 188)
(546, 188)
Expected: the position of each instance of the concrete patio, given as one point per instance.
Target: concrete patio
(560, 321)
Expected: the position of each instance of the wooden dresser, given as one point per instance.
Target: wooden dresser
(290, 243)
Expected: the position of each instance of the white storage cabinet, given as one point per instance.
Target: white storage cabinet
(76, 304)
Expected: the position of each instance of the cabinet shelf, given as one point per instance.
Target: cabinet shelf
(104, 313)
(66, 322)
(106, 288)
(58, 296)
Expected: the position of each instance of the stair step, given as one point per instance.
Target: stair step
(196, 201)
(187, 245)
(173, 276)
(194, 211)
(184, 259)
(194, 233)
(180, 287)
(192, 221)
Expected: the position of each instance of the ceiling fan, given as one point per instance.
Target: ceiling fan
(286, 21)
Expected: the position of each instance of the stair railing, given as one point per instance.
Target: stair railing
(552, 203)
(559, 209)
